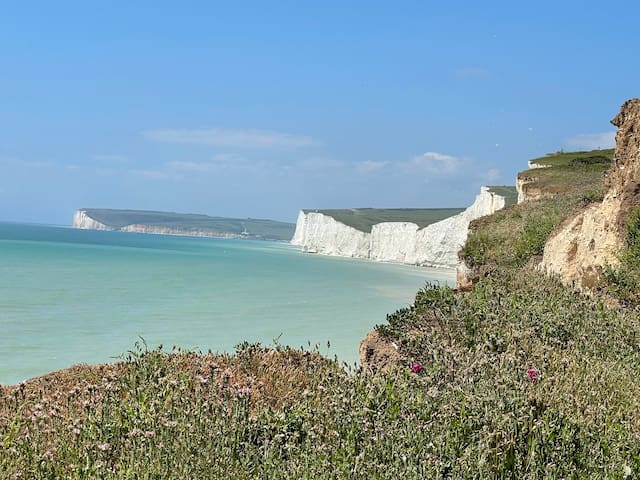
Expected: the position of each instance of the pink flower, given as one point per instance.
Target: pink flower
(416, 368)
(533, 374)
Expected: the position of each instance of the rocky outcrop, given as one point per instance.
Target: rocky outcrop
(84, 221)
(528, 189)
(400, 242)
(526, 183)
(378, 352)
(584, 244)
(465, 277)
(533, 165)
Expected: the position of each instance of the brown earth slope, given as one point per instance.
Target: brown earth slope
(585, 243)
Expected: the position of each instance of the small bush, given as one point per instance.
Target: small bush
(623, 280)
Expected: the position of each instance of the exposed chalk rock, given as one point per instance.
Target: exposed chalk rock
(401, 242)
(84, 221)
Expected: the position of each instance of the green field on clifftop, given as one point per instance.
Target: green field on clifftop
(569, 172)
(364, 218)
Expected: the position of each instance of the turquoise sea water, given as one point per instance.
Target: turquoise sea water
(72, 296)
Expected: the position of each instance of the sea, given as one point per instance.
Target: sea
(70, 296)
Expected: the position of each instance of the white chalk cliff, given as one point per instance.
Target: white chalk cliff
(401, 242)
(84, 221)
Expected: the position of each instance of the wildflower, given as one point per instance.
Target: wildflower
(533, 375)
(416, 368)
(48, 455)
(104, 447)
(243, 391)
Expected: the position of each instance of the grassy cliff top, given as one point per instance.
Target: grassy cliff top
(509, 193)
(191, 222)
(576, 158)
(568, 172)
(364, 218)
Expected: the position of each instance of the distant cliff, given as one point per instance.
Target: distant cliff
(436, 244)
(82, 220)
(169, 223)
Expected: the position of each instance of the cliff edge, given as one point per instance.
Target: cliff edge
(580, 248)
(436, 244)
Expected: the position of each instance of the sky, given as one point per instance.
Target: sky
(259, 109)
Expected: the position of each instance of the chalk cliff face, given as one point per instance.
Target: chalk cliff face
(84, 221)
(525, 183)
(401, 242)
(318, 233)
(581, 247)
(528, 189)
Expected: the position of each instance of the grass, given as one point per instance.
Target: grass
(513, 236)
(364, 219)
(569, 173)
(623, 280)
(255, 228)
(508, 192)
(575, 158)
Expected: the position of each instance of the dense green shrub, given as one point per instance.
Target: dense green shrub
(590, 160)
(623, 280)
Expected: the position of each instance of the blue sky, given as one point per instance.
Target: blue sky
(259, 109)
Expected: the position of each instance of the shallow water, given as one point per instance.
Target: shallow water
(72, 296)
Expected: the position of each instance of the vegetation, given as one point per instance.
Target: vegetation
(569, 173)
(519, 378)
(623, 280)
(513, 236)
(509, 193)
(250, 227)
(364, 218)
(562, 158)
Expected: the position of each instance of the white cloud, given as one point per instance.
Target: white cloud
(369, 166)
(228, 158)
(28, 163)
(153, 174)
(592, 141)
(110, 158)
(319, 164)
(230, 137)
(181, 169)
(433, 163)
(192, 166)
